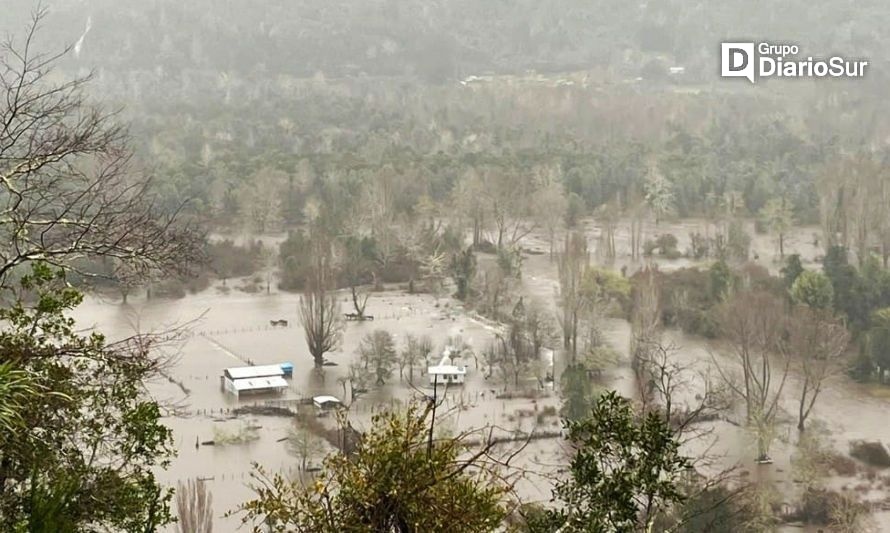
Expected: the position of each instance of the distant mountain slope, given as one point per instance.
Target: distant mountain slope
(442, 38)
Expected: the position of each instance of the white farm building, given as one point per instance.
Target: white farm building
(254, 379)
(446, 372)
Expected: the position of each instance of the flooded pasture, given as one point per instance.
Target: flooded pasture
(232, 328)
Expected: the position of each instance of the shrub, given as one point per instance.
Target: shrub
(814, 289)
(872, 453)
(815, 506)
(649, 247)
(841, 464)
(673, 254)
(757, 277)
(665, 244)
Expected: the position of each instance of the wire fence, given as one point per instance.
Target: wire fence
(292, 324)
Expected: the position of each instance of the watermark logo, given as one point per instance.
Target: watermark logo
(756, 61)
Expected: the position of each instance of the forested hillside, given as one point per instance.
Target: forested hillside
(443, 39)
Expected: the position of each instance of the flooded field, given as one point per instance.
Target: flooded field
(232, 328)
(845, 411)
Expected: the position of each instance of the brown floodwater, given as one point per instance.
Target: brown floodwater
(232, 327)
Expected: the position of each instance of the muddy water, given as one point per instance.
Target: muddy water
(844, 408)
(233, 327)
(229, 329)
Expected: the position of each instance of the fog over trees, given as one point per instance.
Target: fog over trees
(490, 266)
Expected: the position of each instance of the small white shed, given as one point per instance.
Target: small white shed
(326, 402)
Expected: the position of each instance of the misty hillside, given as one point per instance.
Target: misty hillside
(442, 39)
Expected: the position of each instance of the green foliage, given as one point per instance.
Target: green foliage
(575, 210)
(814, 289)
(792, 269)
(738, 242)
(462, 271)
(779, 218)
(878, 341)
(626, 469)
(360, 255)
(688, 299)
(603, 287)
(93, 439)
(228, 260)
(578, 392)
(665, 244)
(851, 294)
(295, 261)
(720, 280)
(397, 480)
(510, 262)
(862, 366)
(659, 195)
(714, 508)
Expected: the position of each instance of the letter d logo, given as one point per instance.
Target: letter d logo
(737, 60)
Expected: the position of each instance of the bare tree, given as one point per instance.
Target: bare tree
(754, 323)
(550, 209)
(320, 311)
(415, 352)
(539, 327)
(645, 333)
(68, 189)
(572, 262)
(637, 210)
(355, 266)
(608, 216)
(816, 341)
(357, 377)
(469, 201)
(303, 444)
(194, 508)
(378, 354)
(496, 290)
(508, 199)
(512, 353)
(259, 200)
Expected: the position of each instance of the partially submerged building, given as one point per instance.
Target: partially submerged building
(256, 379)
(326, 402)
(446, 372)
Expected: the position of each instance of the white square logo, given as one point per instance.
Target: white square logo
(737, 60)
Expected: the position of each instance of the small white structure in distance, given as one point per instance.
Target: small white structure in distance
(446, 373)
(326, 402)
(254, 379)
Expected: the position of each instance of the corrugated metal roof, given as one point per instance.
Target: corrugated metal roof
(274, 382)
(261, 371)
